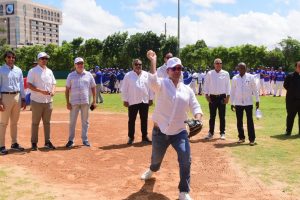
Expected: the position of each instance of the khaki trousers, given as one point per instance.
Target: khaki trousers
(40, 111)
(12, 106)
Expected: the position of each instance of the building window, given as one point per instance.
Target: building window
(34, 9)
(48, 12)
(54, 14)
(57, 14)
(38, 10)
(1, 10)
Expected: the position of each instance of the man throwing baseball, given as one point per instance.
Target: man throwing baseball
(174, 99)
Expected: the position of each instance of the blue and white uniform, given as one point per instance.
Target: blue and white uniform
(279, 79)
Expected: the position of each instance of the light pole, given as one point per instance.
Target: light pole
(178, 31)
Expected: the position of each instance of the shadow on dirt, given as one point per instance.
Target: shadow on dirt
(146, 192)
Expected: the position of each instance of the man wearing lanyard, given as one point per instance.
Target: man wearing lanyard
(243, 87)
(217, 92)
(174, 100)
(42, 83)
(11, 99)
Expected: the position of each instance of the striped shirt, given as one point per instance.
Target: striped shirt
(80, 87)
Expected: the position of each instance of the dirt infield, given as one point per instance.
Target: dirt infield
(110, 169)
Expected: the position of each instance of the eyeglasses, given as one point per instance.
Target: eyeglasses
(44, 58)
(218, 63)
(177, 68)
(79, 63)
(137, 64)
(168, 57)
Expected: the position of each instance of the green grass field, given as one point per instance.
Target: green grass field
(60, 82)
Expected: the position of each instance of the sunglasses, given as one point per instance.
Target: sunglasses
(177, 68)
(218, 63)
(138, 64)
(79, 63)
(44, 58)
(11, 57)
(168, 57)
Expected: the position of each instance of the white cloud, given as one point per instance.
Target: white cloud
(87, 20)
(218, 28)
(208, 3)
(143, 5)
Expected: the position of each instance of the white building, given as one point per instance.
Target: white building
(26, 23)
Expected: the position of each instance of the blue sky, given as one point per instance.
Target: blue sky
(218, 22)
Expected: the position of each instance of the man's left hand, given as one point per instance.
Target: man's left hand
(23, 104)
(257, 105)
(150, 102)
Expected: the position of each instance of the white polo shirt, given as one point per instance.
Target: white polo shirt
(172, 104)
(162, 71)
(243, 89)
(135, 88)
(217, 83)
(42, 79)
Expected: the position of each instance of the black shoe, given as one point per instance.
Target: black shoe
(130, 141)
(3, 151)
(86, 143)
(17, 147)
(49, 145)
(34, 147)
(287, 134)
(70, 144)
(146, 140)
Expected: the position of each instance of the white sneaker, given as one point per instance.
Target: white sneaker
(147, 174)
(209, 136)
(222, 137)
(184, 196)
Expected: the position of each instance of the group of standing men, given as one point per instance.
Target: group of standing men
(173, 101)
(41, 82)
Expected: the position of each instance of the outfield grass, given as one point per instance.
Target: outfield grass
(60, 82)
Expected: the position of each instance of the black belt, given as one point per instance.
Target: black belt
(217, 95)
(17, 92)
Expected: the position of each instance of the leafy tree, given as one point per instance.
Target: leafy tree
(291, 51)
(113, 49)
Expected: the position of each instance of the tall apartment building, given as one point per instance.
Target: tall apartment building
(24, 22)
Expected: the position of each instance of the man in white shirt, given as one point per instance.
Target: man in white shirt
(137, 97)
(217, 92)
(80, 86)
(42, 83)
(174, 100)
(243, 88)
(162, 70)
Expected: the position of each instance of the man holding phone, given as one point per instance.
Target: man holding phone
(80, 84)
(41, 83)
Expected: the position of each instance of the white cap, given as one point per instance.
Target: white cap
(42, 55)
(78, 59)
(172, 62)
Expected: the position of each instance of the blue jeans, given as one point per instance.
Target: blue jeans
(180, 142)
(84, 110)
